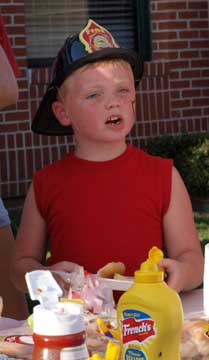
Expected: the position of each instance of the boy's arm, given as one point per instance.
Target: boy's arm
(31, 244)
(8, 83)
(186, 262)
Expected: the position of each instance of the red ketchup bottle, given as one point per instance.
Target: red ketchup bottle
(58, 332)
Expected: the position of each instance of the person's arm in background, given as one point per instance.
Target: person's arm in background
(8, 69)
(14, 302)
(8, 82)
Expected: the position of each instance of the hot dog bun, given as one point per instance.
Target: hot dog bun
(195, 340)
(110, 269)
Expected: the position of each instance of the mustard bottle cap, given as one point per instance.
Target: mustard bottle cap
(149, 271)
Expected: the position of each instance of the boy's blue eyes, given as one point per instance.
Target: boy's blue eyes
(97, 94)
(92, 96)
(124, 90)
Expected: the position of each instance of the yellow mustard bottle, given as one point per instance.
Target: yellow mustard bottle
(150, 315)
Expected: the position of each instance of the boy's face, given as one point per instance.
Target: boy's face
(98, 100)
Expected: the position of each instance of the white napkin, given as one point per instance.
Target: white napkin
(206, 282)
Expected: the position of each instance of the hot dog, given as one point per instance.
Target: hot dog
(110, 269)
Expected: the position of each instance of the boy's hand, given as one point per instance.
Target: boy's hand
(66, 267)
(175, 273)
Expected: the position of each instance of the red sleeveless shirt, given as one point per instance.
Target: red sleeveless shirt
(97, 212)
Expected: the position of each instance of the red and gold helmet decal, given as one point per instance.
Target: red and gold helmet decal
(94, 37)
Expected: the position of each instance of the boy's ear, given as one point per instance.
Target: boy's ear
(60, 113)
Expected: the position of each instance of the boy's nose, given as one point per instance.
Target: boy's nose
(112, 102)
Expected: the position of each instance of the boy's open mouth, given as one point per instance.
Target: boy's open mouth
(113, 120)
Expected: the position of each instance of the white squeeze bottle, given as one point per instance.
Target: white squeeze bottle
(58, 328)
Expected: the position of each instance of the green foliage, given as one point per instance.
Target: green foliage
(15, 221)
(190, 153)
(202, 226)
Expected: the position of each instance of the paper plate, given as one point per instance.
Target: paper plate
(7, 323)
(120, 285)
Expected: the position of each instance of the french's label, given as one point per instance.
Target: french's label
(137, 326)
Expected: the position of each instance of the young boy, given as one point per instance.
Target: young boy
(106, 200)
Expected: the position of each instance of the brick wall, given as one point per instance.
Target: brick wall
(175, 89)
(173, 95)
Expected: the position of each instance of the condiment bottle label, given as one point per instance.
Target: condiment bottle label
(137, 329)
(134, 354)
(75, 353)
